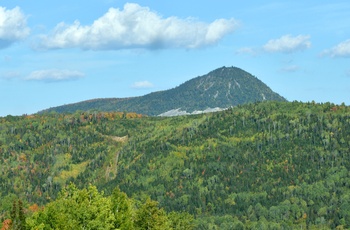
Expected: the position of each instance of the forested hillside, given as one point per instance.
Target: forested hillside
(267, 165)
(223, 88)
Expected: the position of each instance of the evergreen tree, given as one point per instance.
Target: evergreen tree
(17, 216)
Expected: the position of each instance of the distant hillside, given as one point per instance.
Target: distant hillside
(222, 88)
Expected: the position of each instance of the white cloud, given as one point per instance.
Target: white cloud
(52, 75)
(137, 27)
(288, 44)
(13, 26)
(340, 50)
(142, 85)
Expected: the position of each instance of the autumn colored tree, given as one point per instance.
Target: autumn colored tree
(6, 224)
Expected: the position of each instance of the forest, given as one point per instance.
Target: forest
(263, 165)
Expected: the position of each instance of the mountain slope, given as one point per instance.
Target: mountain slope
(281, 165)
(223, 88)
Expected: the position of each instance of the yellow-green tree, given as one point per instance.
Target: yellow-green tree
(121, 206)
(150, 216)
(75, 209)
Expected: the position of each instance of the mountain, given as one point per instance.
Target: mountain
(264, 165)
(221, 88)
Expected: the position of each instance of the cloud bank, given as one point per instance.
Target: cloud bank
(340, 50)
(13, 26)
(54, 75)
(137, 27)
(288, 44)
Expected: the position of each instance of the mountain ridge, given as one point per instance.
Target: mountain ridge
(221, 88)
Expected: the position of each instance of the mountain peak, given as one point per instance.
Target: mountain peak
(221, 88)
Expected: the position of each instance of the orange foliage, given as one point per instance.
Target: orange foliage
(6, 225)
(34, 208)
(117, 115)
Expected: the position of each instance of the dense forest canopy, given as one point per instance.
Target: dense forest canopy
(267, 165)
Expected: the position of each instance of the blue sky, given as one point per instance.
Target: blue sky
(60, 52)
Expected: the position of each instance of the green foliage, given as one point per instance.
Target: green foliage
(122, 207)
(17, 216)
(75, 209)
(181, 220)
(274, 165)
(41, 154)
(90, 209)
(150, 216)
